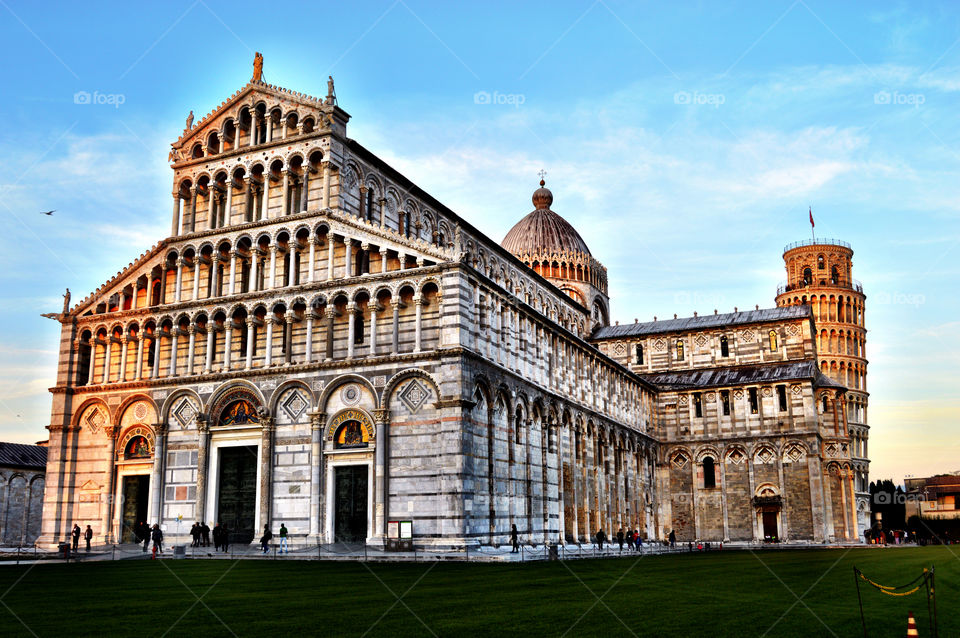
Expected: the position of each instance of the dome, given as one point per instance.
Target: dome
(543, 231)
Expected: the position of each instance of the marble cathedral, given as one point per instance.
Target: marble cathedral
(320, 342)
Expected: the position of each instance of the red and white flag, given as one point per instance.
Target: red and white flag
(811, 217)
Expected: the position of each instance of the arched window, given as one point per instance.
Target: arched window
(709, 473)
(640, 353)
(824, 403)
(358, 328)
(773, 340)
(697, 404)
(724, 346)
(834, 275)
(807, 276)
(821, 263)
(137, 448)
(679, 350)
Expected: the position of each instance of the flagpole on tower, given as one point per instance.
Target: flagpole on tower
(812, 232)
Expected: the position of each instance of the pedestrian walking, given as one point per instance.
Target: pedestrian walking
(284, 545)
(88, 536)
(157, 536)
(601, 536)
(620, 538)
(205, 534)
(224, 537)
(673, 539)
(514, 539)
(216, 537)
(76, 537)
(265, 539)
(195, 535)
(145, 535)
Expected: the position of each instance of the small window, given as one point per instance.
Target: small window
(754, 404)
(782, 397)
(821, 263)
(834, 275)
(725, 401)
(639, 353)
(697, 404)
(807, 276)
(724, 346)
(358, 328)
(679, 350)
(709, 473)
(825, 409)
(773, 340)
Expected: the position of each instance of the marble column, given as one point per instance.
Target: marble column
(268, 350)
(254, 266)
(173, 351)
(111, 432)
(288, 337)
(303, 188)
(251, 327)
(196, 277)
(106, 360)
(292, 267)
(271, 278)
(156, 474)
(351, 328)
(326, 184)
(374, 308)
(175, 225)
(190, 348)
(178, 289)
(266, 469)
(383, 203)
(233, 272)
(156, 357)
(211, 339)
(227, 343)
(395, 338)
(317, 424)
(203, 463)
(348, 257)
(124, 346)
(329, 256)
(330, 314)
(265, 200)
(311, 260)
(418, 323)
(228, 207)
(308, 358)
(138, 372)
(381, 495)
(193, 208)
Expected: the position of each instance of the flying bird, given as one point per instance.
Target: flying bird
(48, 212)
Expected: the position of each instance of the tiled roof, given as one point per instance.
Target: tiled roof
(738, 375)
(21, 455)
(704, 322)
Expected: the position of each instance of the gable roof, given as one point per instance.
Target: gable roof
(21, 455)
(739, 375)
(764, 315)
(105, 287)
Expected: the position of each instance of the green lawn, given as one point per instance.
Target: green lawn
(719, 594)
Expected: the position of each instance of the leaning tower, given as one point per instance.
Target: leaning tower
(819, 273)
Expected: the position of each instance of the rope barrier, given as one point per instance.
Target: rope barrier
(890, 590)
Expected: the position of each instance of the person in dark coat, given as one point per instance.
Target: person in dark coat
(88, 536)
(145, 534)
(224, 537)
(265, 539)
(620, 538)
(157, 536)
(195, 534)
(514, 539)
(205, 534)
(673, 539)
(216, 537)
(601, 536)
(76, 537)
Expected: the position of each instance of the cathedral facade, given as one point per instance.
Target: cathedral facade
(321, 343)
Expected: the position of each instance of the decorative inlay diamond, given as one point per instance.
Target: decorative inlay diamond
(738, 394)
(795, 454)
(318, 385)
(350, 394)
(680, 460)
(796, 389)
(659, 345)
(95, 420)
(619, 349)
(793, 330)
(768, 392)
(184, 412)
(379, 381)
(414, 395)
(701, 341)
(683, 399)
(294, 405)
(736, 457)
(832, 449)
(764, 456)
(746, 335)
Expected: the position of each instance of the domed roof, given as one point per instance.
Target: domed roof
(543, 231)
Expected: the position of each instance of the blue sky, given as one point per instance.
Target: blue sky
(684, 140)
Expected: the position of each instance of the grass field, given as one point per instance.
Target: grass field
(719, 594)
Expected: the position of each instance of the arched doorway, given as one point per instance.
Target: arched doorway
(768, 504)
(349, 438)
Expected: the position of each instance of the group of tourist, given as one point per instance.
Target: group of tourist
(268, 536)
(145, 534)
(200, 532)
(631, 538)
(87, 536)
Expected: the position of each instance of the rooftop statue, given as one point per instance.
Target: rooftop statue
(257, 67)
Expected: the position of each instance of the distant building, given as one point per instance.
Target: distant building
(22, 471)
(936, 497)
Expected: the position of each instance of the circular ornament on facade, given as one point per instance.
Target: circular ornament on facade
(140, 411)
(350, 394)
